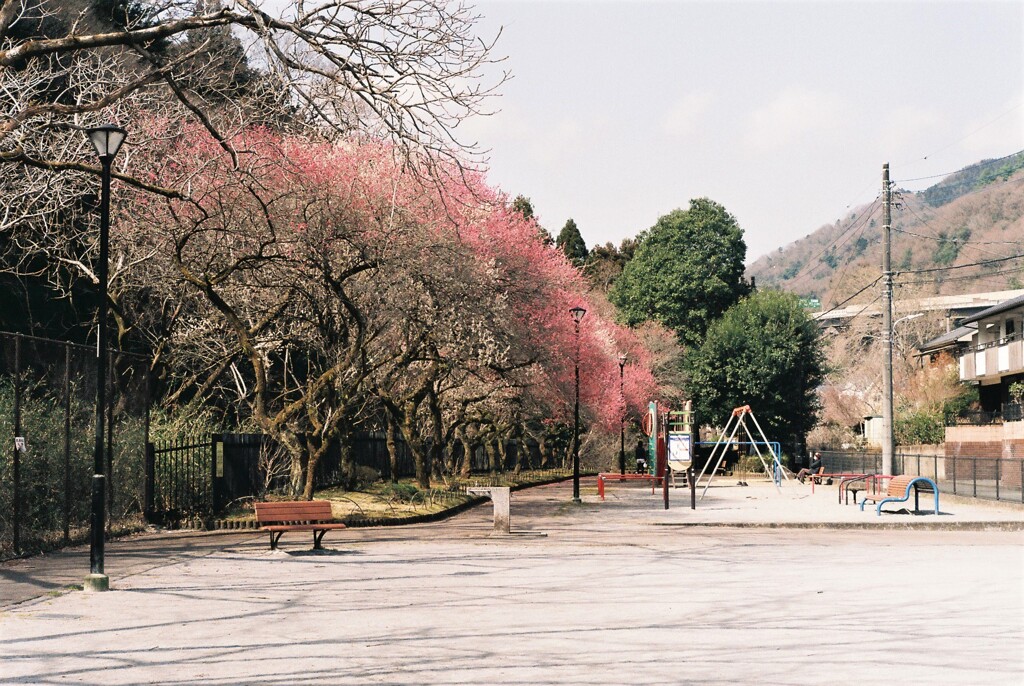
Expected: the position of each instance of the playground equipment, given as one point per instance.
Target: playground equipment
(738, 419)
(670, 438)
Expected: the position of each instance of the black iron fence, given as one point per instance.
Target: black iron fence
(988, 478)
(47, 425)
(190, 479)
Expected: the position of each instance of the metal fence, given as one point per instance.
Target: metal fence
(47, 425)
(188, 480)
(976, 477)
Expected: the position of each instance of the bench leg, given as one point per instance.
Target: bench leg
(317, 537)
(274, 538)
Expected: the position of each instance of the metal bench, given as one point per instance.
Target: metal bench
(296, 515)
(899, 489)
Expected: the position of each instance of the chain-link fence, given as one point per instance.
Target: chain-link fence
(47, 421)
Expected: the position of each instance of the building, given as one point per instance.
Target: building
(990, 351)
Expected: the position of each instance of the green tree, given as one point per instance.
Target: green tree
(524, 206)
(606, 262)
(687, 271)
(763, 352)
(570, 241)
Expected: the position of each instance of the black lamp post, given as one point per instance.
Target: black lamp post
(577, 316)
(107, 140)
(622, 417)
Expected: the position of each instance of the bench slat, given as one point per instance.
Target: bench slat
(294, 511)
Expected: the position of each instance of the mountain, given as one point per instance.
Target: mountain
(953, 237)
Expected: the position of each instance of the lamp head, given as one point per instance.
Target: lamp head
(622, 360)
(577, 313)
(107, 139)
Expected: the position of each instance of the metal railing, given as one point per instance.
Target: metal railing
(987, 478)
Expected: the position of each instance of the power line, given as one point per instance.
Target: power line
(963, 266)
(836, 307)
(835, 243)
(956, 171)
(963, 138)
(967, 277)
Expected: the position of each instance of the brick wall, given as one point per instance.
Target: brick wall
(978, 448)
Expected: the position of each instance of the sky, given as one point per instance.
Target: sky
(619, 112)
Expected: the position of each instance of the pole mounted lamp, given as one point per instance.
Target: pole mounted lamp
(577, 316)
(107, 140)
(622, 417)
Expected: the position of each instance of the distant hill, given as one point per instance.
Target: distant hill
(974, 215)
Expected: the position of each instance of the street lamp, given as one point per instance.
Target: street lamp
(107, 140)
(622, 417)
(577, 316)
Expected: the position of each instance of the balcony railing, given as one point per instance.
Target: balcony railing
(1009, 412)
(995, 358)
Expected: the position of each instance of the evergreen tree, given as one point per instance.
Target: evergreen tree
(687, 270)
(764, 352)
(523, 206)
(570, 241)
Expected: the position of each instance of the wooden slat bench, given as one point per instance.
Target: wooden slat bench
(298, 515)
(899, 489)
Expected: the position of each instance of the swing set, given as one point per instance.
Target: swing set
(775, 472)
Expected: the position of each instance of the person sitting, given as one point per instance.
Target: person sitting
(810, 469)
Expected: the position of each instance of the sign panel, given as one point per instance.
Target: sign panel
(679, 448)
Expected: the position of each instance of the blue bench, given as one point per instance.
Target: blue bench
(898, 491)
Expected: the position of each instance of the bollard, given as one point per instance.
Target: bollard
(693, 488)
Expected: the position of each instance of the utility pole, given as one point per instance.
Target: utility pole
(887, 411)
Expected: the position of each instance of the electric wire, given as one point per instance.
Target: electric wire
(951, 173)
(834, 243)
(982, 263)
(836, 307)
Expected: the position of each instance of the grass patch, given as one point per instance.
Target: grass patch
(397, 501)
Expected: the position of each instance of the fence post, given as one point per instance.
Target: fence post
(67, 444)
(997, 478)
(974, 475)
(214, 481)
(954, 474)
(150, 486)
(16, 520)
(111, 401)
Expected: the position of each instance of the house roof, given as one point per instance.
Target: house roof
(946, 340)
(1004, 306)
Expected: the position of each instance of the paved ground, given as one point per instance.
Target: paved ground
(615, 592)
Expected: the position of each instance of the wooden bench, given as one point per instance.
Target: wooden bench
(297, 515)
(899, 489)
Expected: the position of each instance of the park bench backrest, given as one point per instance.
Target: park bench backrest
(294, 511)
(898, 484)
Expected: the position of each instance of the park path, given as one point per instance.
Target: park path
(605, 597)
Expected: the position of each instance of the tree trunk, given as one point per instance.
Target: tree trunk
(467, 454)
(419, 455)
(502, 453)
(392, 443)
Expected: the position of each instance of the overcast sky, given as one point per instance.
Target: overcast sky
(784, 112)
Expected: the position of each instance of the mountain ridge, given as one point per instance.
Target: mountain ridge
(966, 232)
